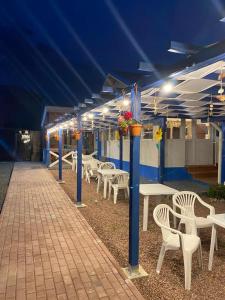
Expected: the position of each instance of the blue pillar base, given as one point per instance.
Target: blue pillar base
(80, 205)
(134, 272)
(61, 181)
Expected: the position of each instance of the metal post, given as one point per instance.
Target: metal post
(134, 270)
(47, 152)
(162, 151)
(99, 145)
(223, 154)
(60, 150)
(121, 152)
(79, 164)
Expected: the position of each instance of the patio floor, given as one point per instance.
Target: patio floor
(48, 250)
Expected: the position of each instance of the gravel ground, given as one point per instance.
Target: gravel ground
(110, 222)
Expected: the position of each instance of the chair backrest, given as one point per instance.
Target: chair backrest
(185, 201)
(93, 164)
(161, 215)
(121, 179)
(107, 165)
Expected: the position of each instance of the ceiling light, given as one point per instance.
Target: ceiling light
(84, 118)
(105, 110)
(90, 116)
(167, 87)
(126, 102)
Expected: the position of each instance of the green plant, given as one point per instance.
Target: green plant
(217, 191)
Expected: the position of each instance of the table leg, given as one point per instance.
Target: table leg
(145, 213)
(105, 187)
(212, 247)
(98, 185)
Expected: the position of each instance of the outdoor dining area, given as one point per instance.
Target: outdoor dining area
(144, 219)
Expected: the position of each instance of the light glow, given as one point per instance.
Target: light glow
(167, 88)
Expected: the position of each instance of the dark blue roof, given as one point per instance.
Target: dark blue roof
(59, 52)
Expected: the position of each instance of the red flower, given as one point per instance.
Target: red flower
(128, 115)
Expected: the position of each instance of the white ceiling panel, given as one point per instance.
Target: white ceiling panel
(195, 86)
(200, 73)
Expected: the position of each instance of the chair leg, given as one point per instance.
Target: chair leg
(115, 194)
(187, 269)
(200, 255)
(110, 190)
(160, 259)
(216, 243)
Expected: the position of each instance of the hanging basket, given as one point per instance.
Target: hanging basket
(123, 131)
(135, 129)
(56, 137)
(77, 135)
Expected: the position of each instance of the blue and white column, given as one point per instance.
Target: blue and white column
(134, 270)
(60, 151)
(47, 150)
(223, 154)
(99, 144)
(121, 151)
(162, 151)
(79, 164)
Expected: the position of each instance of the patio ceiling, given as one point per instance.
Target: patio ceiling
(193, 95)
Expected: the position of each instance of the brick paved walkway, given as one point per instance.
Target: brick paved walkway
(47, 249)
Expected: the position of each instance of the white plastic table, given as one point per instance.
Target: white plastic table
(218, 220)
(105, 174)
(154, 189)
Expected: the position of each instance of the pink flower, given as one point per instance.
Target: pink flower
(120, 119)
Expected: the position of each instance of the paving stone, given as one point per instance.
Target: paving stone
(47, 249)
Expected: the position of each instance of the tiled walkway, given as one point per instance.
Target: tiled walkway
(47, 249)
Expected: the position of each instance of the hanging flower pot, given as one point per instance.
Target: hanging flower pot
(77, 135)
(135, 129)
(123, 131)
(56, 137)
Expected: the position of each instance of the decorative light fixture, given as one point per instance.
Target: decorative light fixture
(84, 118)
(167, 87)
(90, 116)
(105, 110)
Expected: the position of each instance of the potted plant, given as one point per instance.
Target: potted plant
(126, 121)
(77, 135)
(56, 137)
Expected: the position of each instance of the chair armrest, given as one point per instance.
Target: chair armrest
(210, 207)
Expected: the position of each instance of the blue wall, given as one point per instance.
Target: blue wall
(152, 173)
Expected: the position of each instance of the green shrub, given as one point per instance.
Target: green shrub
(217, 191)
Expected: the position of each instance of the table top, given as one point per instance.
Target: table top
(108, 172)
(156, 189)
(218, 219)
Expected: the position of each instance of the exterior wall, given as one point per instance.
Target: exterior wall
(200, 154)
(178, 154)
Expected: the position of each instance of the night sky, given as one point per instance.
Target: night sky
(59, 52)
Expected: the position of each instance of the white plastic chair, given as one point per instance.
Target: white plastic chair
(185, 201)
(92, 168)
(175, 240)
(107, 165)
(119, 182)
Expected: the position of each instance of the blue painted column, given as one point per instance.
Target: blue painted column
(162, 151)
(99, 145)
(47, 150)
(60, 153)
(121, 151)
(79, 164)
(134, 186)
(223, 154)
